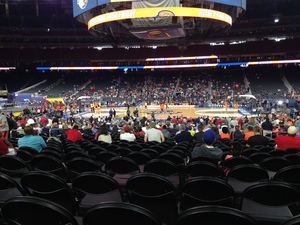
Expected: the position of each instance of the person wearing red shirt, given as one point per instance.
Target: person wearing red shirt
(44, 120)
(74, 134)
(3, 148)
(288, 141)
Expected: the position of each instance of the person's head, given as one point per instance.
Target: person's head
(250, 128)
(75, 127)
(209, 137)
(237, 127)
(200, 127)
(215, 130)
(28, 130)
(182, 127)
(252, 120)
(152, 125)
(257, 130)
(292, 130)
(127, 128)
(225, 130)
(236, 148)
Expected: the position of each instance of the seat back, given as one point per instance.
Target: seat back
(116, 213)
(48, 163)
(173, 157)
(13, 166)
(141, 158)
(234, 161)
(9, 188)
(206, 191)
(214, 215)
(165, 168)
(242, 176)
(202, 168)
(29, 149)
(203, 158)
(121, 168)
(51, 187)
(35, 211)
(92, 188)
(274, 163)
(271, 201)
(155, 193)
(259, 156)
(80, 165)
(25, 155)
(289, 174)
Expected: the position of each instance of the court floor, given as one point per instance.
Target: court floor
(186, 111)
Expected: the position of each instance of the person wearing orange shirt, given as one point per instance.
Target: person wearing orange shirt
(162, 105)
(249, 133)
(225, 133)
(236, 107)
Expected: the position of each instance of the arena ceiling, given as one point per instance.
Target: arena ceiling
(50, 23)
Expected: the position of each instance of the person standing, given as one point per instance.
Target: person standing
(4, 127)
(267, 127)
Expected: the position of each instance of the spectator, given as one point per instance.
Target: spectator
(6, 141)
(267, 127)
(207, 149)
(127, 135)
(73, 134)
(44, 120)
(257, 139)
(30, 140)
(198, 137)
(249, 133)
(4, 127)
(236, 134)
(183, 135)
(3, 148)
(104, 135)
(166, 132)
(217, 133)
(288, 141)
(138, 131)
(225, 133)
(153, 134)
(236, 149)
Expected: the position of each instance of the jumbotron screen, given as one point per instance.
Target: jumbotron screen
(81, 6)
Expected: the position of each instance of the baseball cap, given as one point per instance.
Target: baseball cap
(127, 128)
(292, 130)
(209, 135)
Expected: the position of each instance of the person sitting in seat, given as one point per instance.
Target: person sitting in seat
(30, 140)
(73, 134)
(207, 149)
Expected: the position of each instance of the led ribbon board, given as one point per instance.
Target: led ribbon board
(160, 12)
(272, 62)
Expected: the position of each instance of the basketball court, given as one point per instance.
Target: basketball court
(172, 110)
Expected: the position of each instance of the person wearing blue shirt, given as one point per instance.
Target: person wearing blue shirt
(30, 140)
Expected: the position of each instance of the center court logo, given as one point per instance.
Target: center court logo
(82, 3)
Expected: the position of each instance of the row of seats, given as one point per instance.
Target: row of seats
(199, 186)
(266, 202)
(36, 211)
